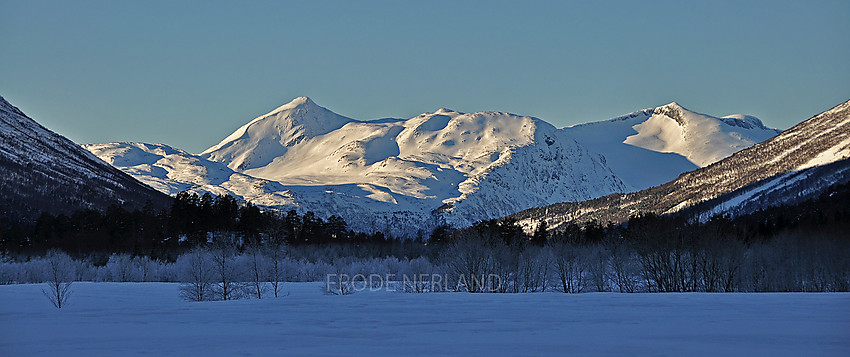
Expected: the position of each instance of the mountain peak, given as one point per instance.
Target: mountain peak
(745, 121)
(303, 100)
(300, 102)
(8, 106)
(672, 105)
(769, 173)
(270, 135)
(673, 111)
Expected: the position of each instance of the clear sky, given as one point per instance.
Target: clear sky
(188, 73)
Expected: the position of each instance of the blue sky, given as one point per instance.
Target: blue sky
(189, 73)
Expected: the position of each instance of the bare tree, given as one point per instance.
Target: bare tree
(144, 266)
(596, 259)
(276, 253)
(257, 270)
(667, 262)
(59, 276)
(339, 282)
(624, 266)
(197, 275)
(471, 260)
(532, 270)
(569, 265)
(419, 277)
(228, 275)
(120, 267)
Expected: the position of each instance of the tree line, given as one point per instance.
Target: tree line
(192, 220)
(800, 247)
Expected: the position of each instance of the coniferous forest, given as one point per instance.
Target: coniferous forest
(191, 221)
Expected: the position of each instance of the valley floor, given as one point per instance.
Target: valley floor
(111, 319)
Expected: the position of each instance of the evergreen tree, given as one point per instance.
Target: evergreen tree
(540, 234)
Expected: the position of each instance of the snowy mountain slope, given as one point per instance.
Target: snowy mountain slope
(446, 167)
(554, 169)
(668, 139)
(803, 154)
(366, 207)
(394, 175)
(784, 189)
(443, 158)
(171, 171)
(269, 136)
(45, 172)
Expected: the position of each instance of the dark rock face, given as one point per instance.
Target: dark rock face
(41, 171)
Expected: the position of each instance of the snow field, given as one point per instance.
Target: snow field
(109, 319)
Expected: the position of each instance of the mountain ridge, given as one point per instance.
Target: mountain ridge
(812, 144)
(670, 138)
(394, 172)
(441, 167)
(273, 133)
(46, 172)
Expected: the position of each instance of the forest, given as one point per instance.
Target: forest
(191, 221)
(220, 249)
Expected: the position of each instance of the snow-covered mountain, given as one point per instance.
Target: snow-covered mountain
(794, 165)
(405, 175)
(445, 156)
(399, 175)
(45, 172)
(270, 136)
(652, 146)
(172, 170)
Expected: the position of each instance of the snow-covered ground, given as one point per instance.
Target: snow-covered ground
(120, 319)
